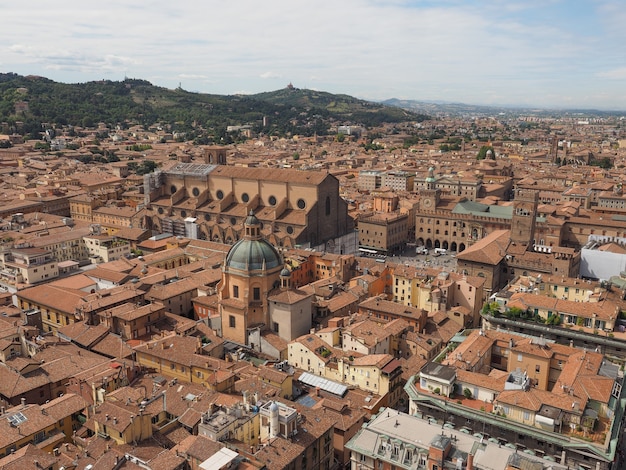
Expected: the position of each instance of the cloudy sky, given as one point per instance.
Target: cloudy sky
(543, 53)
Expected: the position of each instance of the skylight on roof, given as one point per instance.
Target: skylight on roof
(16, 419)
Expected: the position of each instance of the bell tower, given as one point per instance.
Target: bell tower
(429, 197)
(524, 216)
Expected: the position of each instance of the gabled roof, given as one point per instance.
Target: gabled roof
(489, 250)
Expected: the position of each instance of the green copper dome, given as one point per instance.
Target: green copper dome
(252, 252)
(251, 255)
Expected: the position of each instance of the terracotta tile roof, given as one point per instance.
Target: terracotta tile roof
(340, 300)
(468, 354)
(254, 385)
(166, 460)
(190, 418)
(489, 250)
(385, 306)
(35, 420)
(174, 348)
(130, 311)
(107, 298)
(485, 381)
(77, 282)
(105, 274)
(289, 296)
(113, 346)
(83, 334)
(64, 360)
(172, 289)
(57, 298)
(29, 458)
(272, 375)
(605, 310)
(595, 387)
(369, 332)
(534, 399)
(175, 436)
(377, 360)
(65, 406)
(198, 447)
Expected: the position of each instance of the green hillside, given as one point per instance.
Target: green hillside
(288, 111)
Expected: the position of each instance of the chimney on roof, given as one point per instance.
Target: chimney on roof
(470, 462)
(23, 402)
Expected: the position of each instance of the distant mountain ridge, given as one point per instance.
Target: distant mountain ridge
(35, 100)
(439, 107)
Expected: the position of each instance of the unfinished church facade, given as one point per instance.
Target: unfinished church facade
(211, 202)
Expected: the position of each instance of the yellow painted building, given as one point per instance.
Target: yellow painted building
(181, 358)
(120, 424)
(46, 426)
(376, 373)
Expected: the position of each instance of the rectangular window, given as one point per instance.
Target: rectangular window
(256, 293)
(519, 358)
(537, 368)
(236, 292)
(231, 321)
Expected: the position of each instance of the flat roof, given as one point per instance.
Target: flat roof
(220, 459)
(335, 388)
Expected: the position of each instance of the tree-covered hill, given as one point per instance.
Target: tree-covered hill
(135, 101)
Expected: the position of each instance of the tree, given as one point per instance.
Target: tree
(296, 156)
(467, 393)
(145, 167)
(605, 163)
(554, 319)
(42, 146)
(482, 153)
(515, 312)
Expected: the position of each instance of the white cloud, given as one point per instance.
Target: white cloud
(270, 75)
(615, 74)
(457, 50)
(190, 76)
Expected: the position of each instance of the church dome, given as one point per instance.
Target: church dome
(251, 255)
(252, 252)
